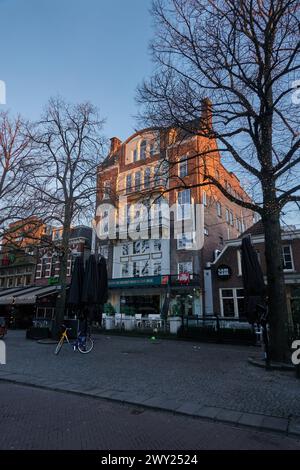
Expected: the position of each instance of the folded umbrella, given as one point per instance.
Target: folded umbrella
(253, 280)
(76, 286)
(103, 281)
(255, 291)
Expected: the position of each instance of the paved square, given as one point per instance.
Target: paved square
(212, 376)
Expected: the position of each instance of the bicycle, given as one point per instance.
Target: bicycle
(83, 343)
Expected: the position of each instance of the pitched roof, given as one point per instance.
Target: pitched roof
(256, 229)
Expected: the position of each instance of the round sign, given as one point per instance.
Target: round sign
(224, 272)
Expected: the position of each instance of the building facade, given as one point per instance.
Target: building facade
(153, 251)
(17, 269)
(48, 259)
(227, 283)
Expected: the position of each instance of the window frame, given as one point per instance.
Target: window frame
(181, 211)
(183, 164)
(235, 297)
(292, 259)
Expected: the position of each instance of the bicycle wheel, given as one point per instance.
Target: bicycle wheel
(85, 346)
(59, 346)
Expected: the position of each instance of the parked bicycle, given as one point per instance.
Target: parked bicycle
(83, 342)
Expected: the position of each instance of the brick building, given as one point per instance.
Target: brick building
(227, 284)
(137, 181)
(30, 281)
(48, 263)
(18, 252)
(25, 234)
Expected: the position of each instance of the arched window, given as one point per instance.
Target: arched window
(143, 149)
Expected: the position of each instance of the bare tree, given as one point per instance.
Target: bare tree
(16, 163)
(68, 142)
(244, 55)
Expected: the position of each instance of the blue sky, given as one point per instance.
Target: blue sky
(94, 50)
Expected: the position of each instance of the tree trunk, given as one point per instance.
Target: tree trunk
(61, 298)
(277, 302)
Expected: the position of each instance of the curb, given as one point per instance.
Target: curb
(272, 366)
(258, 422)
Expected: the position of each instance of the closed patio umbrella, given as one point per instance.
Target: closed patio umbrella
(91, 282)
(103, 281)
(254, 290)
(76, 286)
(90, 290)
(103, 287)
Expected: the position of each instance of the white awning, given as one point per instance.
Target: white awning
(27, 295)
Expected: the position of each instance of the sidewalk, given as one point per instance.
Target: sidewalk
(210, 381)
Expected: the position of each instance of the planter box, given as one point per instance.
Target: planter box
(109, 322)
(175, 324)
(129, 322)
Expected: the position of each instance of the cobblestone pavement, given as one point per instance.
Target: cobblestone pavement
(34, 419)
(206, 374)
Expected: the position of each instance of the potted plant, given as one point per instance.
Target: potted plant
(109, 311)
(128, 317)
(175, 319)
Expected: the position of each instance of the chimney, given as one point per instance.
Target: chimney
(115, 144)
(206, 115)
